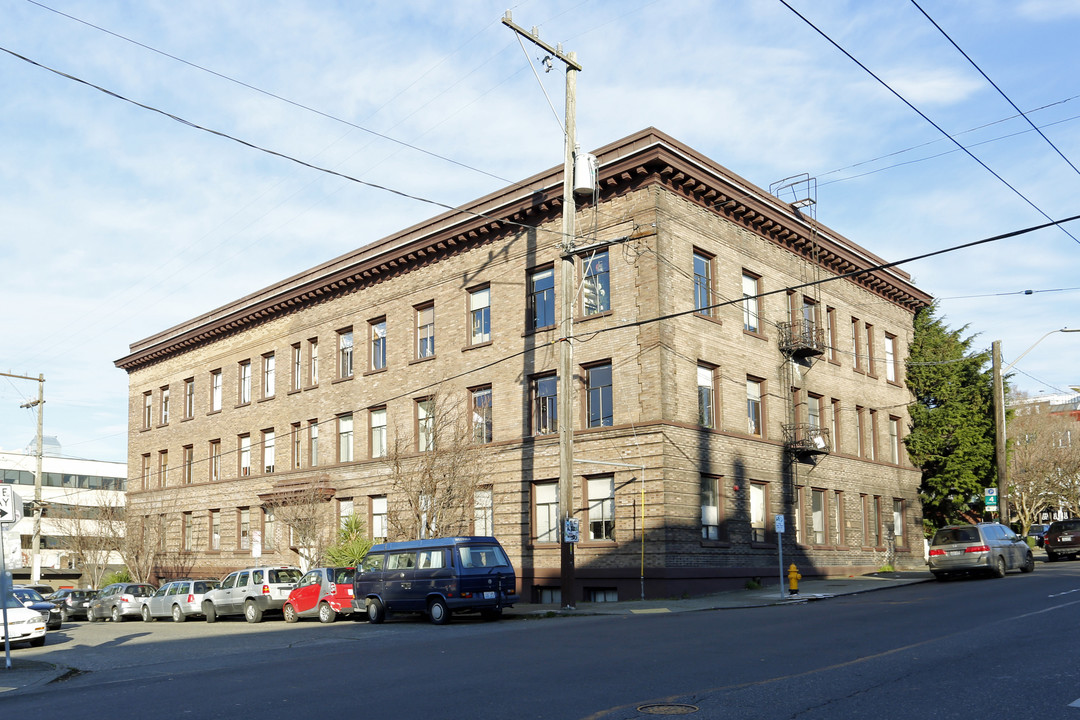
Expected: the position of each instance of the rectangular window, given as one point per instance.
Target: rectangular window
(163, 468)
(215, 460)
(165, 405)
(545, 396)
(541, 298)
(703, 274)
(268, 440)
(189, 462)
(345, 438)
(243, 528)
(817, 514)
(595, 283)
(601, 492)
(865, 501)
(872, 444)
(894, 440)
(313, 362)
(860, 431)
(830, 333)
(297, 446)
(546, 523)
(871, 361)
(856, 343)
(711, 512)
(378, 343)
(215, 530)
(345, 353)
(144, 472)
(313, 442)
(187, 531)
(345, 511)
(245, 455)
(796, 512)
(598, 396)
(706, 396)
(813, 411)
(759, 500)
(480, 316)
(243, 393)
(483, 513)
(378, 517)
(891, 373)
(810, 317)
(425, 425)
(425, 331)
(377, 417)
(753, 407)
(751, 288)
(215, 391)
(838, 518)
(269, 529)
(297, 380)
(875, 528)
(189, 398)
(898, 521)
(269, 375)
(148, 410)
(481, 415)
(834, 418)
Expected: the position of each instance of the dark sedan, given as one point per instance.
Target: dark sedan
(73, 602)
(33, 600)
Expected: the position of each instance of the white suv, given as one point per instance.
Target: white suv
(251, 592)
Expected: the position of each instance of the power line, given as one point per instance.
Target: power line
(922, 115)
(995, 86)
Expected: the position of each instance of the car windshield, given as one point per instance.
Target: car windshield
(956, 535)
(480, 556)
(284, 575)
(1067, 526)
(28, 595)
(141, 590)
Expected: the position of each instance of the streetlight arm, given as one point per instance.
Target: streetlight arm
(1010, 365)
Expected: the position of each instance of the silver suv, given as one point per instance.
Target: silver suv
(250, 592)
(177, 599)
(986, 547)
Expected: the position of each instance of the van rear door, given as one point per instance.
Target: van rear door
(487, 574)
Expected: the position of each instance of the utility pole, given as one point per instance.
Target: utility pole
(999, 435)
(566, 318)
(35, 568)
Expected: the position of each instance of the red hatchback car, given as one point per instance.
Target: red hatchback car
(322, 592)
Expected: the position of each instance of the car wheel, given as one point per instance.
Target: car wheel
(116, 616)
(438, 612)
(38, 642)
(252, 613)
(376, 613)
(999, 567)
(290, 613)
(1029, 563)
(64, 617)
(1051, 556)
(178, 614)
(92, 617)
(326, 613)
(208, 612)
(146, 616)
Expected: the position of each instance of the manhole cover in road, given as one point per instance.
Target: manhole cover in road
(668, 709)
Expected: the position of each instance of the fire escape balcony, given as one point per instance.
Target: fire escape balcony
(801, 338)
(806, 439)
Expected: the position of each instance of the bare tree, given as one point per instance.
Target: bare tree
(84, 524)
(1043, 466)
(434, 470)
(303, 507)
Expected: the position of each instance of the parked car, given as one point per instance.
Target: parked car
(251, 592)
(323, 592)
(73, 602)
(986, 547)
(44, 590)
(32, 599)
(24, 624)
(437, 577)
(119, 600)
(1062, 539)
(177, 599)
(1038, 532)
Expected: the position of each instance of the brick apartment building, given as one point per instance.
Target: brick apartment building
(720, 380)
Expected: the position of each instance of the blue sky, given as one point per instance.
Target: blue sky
(119, 222)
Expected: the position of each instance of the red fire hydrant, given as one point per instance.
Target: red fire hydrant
(793, 577)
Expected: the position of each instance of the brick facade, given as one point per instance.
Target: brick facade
(659, 204)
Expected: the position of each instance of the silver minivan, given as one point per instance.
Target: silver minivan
(177, 599)
(982, 548)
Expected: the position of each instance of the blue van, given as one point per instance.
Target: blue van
(437, 577)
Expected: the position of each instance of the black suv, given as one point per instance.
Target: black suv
(1062, 539)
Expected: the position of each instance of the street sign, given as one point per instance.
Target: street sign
(10, 505)
(780, 524)
(572, 530)
(990, 498)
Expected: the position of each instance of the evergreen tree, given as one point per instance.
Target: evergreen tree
(952, 422)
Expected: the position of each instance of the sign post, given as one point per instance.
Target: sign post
(780, 544)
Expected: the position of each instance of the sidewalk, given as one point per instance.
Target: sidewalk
(25, 674)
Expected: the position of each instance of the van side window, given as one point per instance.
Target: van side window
(432, 559)
(479, 556)
(401, 561)
(372, 562)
